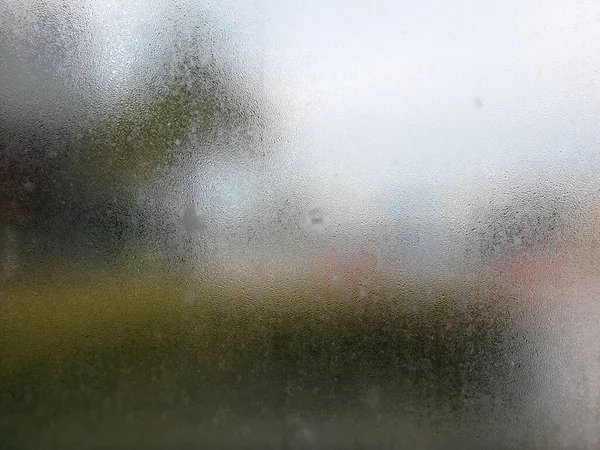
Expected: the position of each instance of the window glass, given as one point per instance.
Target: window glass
(256, 224)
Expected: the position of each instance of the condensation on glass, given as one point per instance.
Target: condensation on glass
(299, 225)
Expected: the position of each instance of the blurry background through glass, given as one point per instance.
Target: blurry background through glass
(256, 224)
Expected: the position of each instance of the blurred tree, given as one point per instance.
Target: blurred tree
(194, 103)
(526, 221)
(71, 170)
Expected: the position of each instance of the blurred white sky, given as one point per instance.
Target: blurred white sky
(375, 102)
(435, 99)
(403, 108)
(399, 80)
(374, 85)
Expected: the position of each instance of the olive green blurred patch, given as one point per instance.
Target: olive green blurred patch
(131, 347)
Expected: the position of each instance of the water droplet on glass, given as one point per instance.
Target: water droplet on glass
(191, 219)
(29, 186)
(190, 297)
(315, 216)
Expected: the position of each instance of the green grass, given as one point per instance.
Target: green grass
(109, 353)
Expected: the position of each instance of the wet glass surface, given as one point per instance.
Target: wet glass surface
(297, 225)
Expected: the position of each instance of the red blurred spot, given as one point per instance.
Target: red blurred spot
(348, 272)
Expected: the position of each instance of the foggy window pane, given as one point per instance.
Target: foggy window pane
(299, 224)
